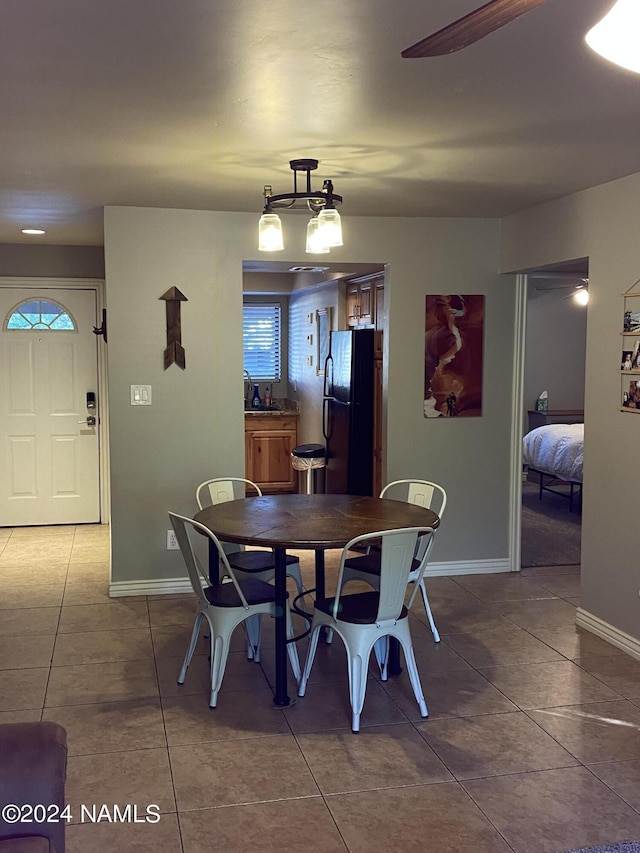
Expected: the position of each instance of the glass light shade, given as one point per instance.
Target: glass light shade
(315, 246)
(617, 36)
(270, 233)
(581, 296)
(329, 227)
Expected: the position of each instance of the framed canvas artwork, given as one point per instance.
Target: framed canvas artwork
(453, 347)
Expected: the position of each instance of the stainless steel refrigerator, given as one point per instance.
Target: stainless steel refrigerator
(347, 414)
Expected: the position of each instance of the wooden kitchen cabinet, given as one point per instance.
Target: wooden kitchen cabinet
(359, 302)
(365, 305)
(268, 442)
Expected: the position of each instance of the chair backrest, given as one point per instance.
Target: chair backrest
(397, 549)
(221, 489)
(184, 529)
(419, 492)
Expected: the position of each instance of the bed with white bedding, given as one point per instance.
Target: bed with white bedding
(555, 453)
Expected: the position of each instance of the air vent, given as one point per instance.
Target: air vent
(308, 269)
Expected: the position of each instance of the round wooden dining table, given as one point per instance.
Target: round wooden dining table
(312, 522)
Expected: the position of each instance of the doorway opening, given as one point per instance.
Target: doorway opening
(310, 295)
(553, 421)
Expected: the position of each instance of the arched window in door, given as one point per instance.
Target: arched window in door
(39, 315)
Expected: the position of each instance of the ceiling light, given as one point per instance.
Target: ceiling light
(270, 233)
(316, 245)
(33, 231)
(308, 269)
(581, 295)
(324, 229)
(615, 37)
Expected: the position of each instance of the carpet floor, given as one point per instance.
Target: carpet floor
(550, 533)
(627, 847)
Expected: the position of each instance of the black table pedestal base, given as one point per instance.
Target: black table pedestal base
(280, 698)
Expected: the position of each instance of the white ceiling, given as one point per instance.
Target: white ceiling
(199, 103)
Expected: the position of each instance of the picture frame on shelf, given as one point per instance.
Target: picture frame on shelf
(631, 321)
(631, 397)
(626, 363)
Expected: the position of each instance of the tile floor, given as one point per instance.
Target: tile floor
(532, 743)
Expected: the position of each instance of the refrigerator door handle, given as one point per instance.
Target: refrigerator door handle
(328, 375)
(325, 420)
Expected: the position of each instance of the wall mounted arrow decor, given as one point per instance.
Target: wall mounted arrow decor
(174, 351)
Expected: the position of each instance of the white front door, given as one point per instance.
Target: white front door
(49, 456)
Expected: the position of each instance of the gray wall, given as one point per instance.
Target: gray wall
(555, 347)
(51, 261)
(195, 427)
(601, 224)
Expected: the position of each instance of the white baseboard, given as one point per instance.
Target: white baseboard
(171, 586)
(163, 586)
(617, 638)
(468, 567)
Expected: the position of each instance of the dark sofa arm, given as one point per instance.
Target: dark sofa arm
(33, 770)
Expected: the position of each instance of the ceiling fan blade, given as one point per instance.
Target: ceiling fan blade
(471, 28)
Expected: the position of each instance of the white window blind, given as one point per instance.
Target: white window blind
(261, 340)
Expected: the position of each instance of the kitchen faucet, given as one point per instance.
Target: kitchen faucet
(249, 384)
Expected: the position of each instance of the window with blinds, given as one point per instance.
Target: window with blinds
(261, 341)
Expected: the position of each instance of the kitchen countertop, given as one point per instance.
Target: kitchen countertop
(282, 408)
(271, 412)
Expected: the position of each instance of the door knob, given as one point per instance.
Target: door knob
(89, 421)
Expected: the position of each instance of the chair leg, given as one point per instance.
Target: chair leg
(192, 645)
(425, 601)
(292, 650)
(412, 669)
(219, 655)
(252, 627)
(381, 651)
(358, 663)
(311, 653)
(293, 572)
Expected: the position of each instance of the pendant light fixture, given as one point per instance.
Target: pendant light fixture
(615, 37)
(324, 229)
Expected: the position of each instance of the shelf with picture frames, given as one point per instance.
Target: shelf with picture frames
(630, 360)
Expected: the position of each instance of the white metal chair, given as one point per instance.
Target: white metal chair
(365, 620)
(224, 606)
(256, 563)
(367, 568)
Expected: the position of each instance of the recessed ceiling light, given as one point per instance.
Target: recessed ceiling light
(308, 269)
(33, 231)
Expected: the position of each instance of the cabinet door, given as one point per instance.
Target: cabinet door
(366, 304)
(359, 304)
(353, 304)
(268, 460)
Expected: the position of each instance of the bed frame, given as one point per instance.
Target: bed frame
(553, 484)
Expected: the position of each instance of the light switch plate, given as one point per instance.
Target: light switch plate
(141, 395)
